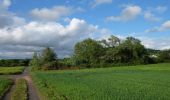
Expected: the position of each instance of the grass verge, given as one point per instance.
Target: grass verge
(20, 92)
(5, 84)
(11, 70)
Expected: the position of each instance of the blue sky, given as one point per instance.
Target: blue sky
(29, 25)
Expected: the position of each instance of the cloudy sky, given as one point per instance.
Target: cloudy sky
(30, 25)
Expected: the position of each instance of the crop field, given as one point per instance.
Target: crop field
(11, 70)
(146, 82)
(4, 85)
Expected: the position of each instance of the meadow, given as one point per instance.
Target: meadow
(11, 70)
(146, 82)
(4, 85)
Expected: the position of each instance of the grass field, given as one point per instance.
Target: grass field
(4, 86)
(11, 70)
(143, 82)
(20, 92)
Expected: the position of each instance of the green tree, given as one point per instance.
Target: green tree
(48, 55)
(35, 62)
(49, 59)
(131, 51)
(88, 53)
(164, 56)
(112, 41)
(110, 46)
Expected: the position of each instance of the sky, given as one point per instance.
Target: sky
(27, 26)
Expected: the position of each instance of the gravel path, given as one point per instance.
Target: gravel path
(32, 91)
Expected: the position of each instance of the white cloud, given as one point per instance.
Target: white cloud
(150, 16)
(161, 9)
(4, 4)
(159, 44)
(51, 14)
(8, 19)
(19, 39)
(165, 26)
(127, 14)
(99, 2)
(41, 34)
(54, 13)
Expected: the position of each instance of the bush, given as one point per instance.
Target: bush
(50, 66)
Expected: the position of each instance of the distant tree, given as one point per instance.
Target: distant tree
(164, 56)
(112, 41)
(48, 55)
(110, 46)
(14, 62)
(49, 59)
(35, 62)
(131, 51)
(88, 52)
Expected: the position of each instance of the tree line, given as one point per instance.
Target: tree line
(14, 62)
(91, 53)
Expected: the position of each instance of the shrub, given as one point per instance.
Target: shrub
(50, 65)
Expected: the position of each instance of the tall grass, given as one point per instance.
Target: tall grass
(4, 86)
(146, 82)
(11, 70)
(20, 92)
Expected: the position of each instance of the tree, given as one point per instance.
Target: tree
(165, 56)
(110, 46)
(88, 52)
(131, 51)
(35, 62)
(45, 61)
(48, 59)
(48, 55)
(112, 41)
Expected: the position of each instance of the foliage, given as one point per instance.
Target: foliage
(50, 65)
(92, 53)
(48, 55)
(46, 60)
(20, 92)
(165, 56)
(4, 86)
(35, 62)
(14, 62)
(11, 70)
(146, 82)
(88, 52)
(131, 51)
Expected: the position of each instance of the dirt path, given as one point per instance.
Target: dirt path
(32, 92)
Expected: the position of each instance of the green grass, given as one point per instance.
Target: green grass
(11, 70)
(5, 84)
(20, 92)
(143, 82)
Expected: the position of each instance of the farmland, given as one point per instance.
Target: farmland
(149, 82)
(4, 85)
(11, 70)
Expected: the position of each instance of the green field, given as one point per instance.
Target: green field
(11, 70)
(4, 86)
(146, 82)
